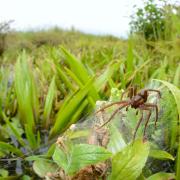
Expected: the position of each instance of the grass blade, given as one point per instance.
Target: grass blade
(80, 71)
(49, 102)
(6, 148)
(64, 117)
(27, 99)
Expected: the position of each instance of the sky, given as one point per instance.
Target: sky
(90, 16)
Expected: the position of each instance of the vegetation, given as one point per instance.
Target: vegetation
(51, 79)
(154, 20)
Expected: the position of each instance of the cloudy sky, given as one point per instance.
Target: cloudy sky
(93, 16)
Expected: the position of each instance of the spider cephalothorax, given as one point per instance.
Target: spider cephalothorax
(137, 101)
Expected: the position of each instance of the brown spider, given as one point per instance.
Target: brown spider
(136, 101)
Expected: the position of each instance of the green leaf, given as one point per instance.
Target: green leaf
(51, 150)
(116, 142)
(49, 102)
(26, 177)
(61, 158)
(30, 136)
(34, 158)
(70, 73)
(77, 114)
(42, 167)
(6, 148)
(27, 98)
(3, 173)
(176, 80)
(64, 117)
(176, 93)
(16, 131)
(86, 154)
(105, 76)
(80, 71)
(80, 155)
(128, 163)
(65, 79)
(161, 176)
(159, 154)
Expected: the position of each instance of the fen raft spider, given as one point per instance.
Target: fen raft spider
(137, 101)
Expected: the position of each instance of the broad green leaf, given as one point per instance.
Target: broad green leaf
(80, 155)
(174, 90)
(42, 167)
(64, 117)
(61, 158)
(161, 176)
(160, 154)
(86, 154)
(7, 148)
(176, 93)
(49, 102)
(128, 163)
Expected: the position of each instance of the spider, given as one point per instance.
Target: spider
(137, 101)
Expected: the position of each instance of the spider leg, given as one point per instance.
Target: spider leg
(137, 126)
(156, 109)
(147, 108)
(114, 113)
(147, 120)
(154, 90)
(112, 104)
